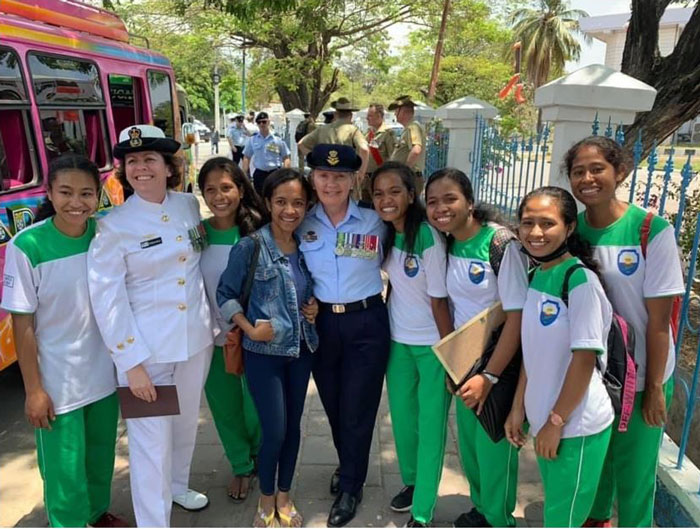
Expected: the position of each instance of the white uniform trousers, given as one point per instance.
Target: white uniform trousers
(161, 448)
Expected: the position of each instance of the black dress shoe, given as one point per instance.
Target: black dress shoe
(344, 508)
(335, 482)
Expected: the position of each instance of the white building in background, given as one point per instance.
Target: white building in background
(612, 30)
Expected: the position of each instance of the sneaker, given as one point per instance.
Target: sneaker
(403, 501)
(109, 520)
(592, 522)
(191, 500)
(472, 518)
(412, 522)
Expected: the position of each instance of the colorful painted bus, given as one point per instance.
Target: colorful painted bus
(70, 80)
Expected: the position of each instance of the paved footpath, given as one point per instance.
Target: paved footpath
(21, 503)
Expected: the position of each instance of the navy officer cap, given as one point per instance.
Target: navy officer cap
(334, 157)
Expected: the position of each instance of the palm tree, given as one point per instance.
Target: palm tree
(548, 37)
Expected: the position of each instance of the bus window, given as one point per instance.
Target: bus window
(17, 160)
(161, 102)
(126, 96)
(71, 107)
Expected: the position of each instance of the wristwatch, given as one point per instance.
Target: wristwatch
(556, 419)
(490, 377)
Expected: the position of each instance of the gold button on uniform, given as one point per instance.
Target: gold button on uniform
(178, 238)
(130, 339)
(165, 218)
(182, 306)
(120, 346)
(180, 281)
(182, 258)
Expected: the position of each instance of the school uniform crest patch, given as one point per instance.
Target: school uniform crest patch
(477, 271)
(549, 312)
(628, 261)
(411, 266)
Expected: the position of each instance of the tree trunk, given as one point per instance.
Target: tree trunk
(675, 77)
(438, 53)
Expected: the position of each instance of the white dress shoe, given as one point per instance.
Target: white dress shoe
(191, 500)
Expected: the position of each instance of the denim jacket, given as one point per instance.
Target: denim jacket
(272, 296)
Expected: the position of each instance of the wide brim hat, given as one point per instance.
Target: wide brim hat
(334, 157)
(139, 138)
(343, 103)
(402, 101)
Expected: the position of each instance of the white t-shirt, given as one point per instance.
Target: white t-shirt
(213, 262)
(472, 284)
(415, 278)
(550, 332)
(630, 280)
(46, 275)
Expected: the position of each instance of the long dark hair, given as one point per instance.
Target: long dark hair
(251, 212)
(415, 214)
(615, 154)
(482, 213)
(68, 161)
(282, 176)
(569, 213)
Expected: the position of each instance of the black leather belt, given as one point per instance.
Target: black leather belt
(342, 308)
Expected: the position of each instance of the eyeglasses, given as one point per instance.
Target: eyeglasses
(262, 121)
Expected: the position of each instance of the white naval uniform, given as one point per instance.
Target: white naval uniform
(150, 304)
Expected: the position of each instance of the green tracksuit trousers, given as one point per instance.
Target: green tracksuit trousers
(419, 403)
(630, 470)
(234, 414)
(571, 479)
(76, 462)
(491, 469)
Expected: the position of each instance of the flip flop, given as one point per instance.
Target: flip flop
(242, 496)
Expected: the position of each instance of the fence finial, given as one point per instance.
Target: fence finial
(608, 129)
(596, 124)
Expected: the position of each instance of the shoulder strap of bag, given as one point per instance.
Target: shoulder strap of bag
(497, 248)
(565, 285)
(644, 233)
(247, 287)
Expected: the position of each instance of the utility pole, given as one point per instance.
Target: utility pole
(438, 53)
(217, 113)
(243, 86)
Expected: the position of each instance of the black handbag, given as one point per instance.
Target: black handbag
(500, 399)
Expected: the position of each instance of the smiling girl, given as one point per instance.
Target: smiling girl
(237, 212)
(642, 276)
(68, 375)
(484, 266)
(419, 316)
(560, 389)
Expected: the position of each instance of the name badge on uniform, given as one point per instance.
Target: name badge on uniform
(198, 237)
(357, 245)
(151, 242)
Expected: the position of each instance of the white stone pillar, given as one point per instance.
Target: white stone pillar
(294, 117)
(459, 117)
(571, 103)
(423, 113)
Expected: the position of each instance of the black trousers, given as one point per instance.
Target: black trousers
(349, 368)
(259, 177)
(237, 155)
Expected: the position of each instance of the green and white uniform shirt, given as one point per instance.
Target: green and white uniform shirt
(415, 278)
(212, 263)
(628, 277)
(473, 285)
(46, 275)
(550, 331)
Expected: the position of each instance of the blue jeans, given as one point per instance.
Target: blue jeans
(278, 386)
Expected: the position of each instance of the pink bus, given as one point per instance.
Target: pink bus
(69, 81)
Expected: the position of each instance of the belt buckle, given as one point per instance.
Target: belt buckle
(338, 308)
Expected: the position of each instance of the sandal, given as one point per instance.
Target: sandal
(293, 519)
(265, 520)
(242, 494)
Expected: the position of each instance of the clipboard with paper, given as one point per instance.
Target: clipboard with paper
(462, 348)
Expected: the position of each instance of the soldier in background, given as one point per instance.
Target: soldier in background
(411, 147)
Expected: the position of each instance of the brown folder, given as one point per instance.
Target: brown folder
(132, 407)
(459, 350)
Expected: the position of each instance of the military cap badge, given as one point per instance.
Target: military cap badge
(333, 158)
(135, 137)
